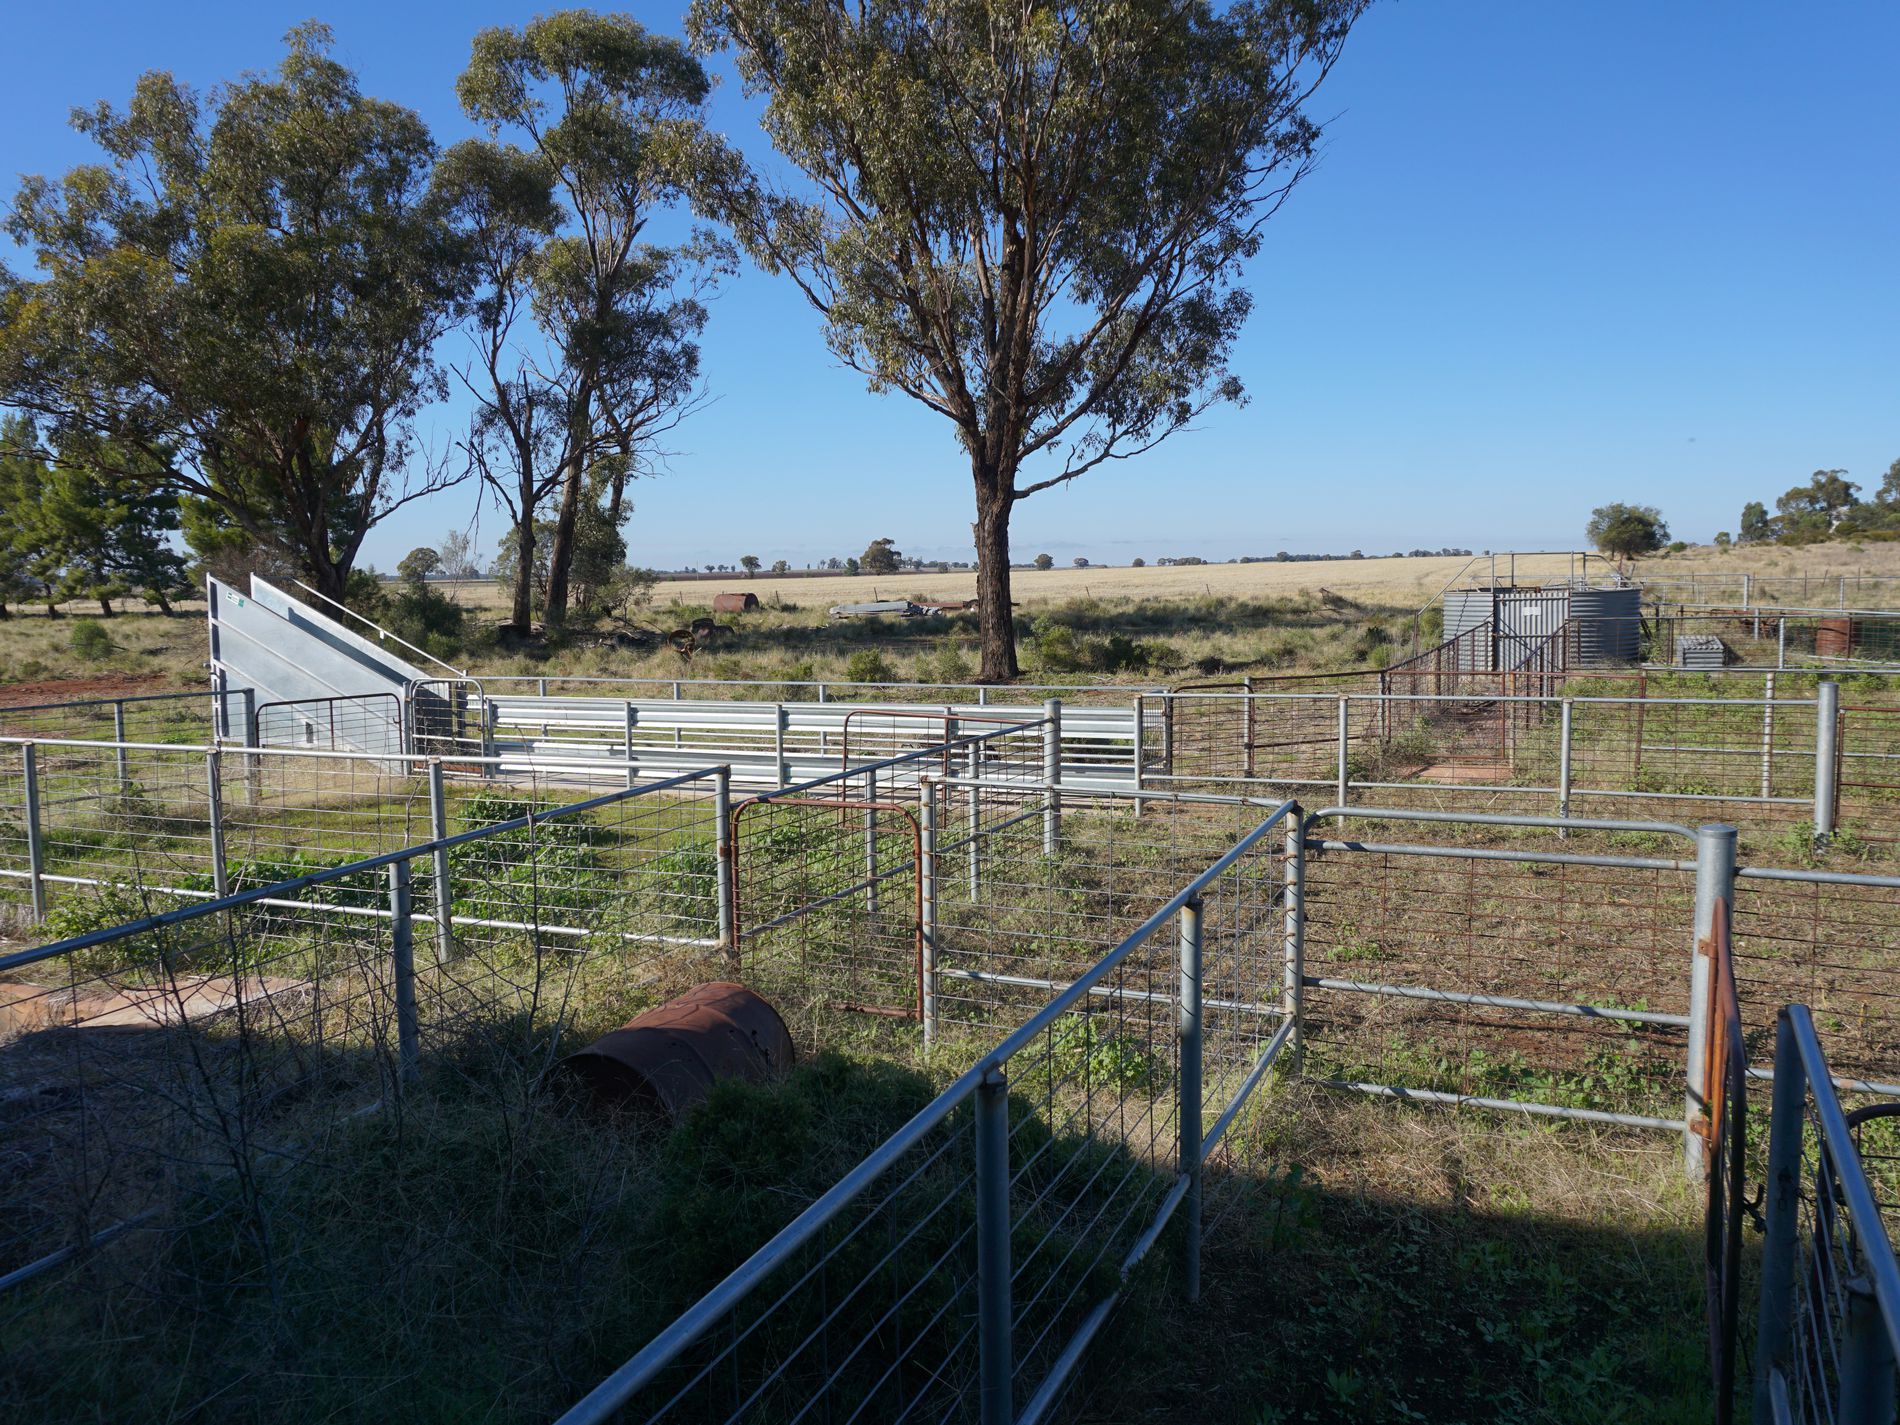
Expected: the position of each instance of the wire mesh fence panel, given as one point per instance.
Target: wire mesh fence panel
(828, 901)
(189, 1102)
(960, 1267)
(1831, 945)
(1869, 778)
(1473, 973)
(367, 722)
(136, 717)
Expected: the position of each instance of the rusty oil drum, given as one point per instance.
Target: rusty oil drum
(666, 1060)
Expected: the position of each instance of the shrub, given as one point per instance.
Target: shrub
(867, 665)
(91, 642)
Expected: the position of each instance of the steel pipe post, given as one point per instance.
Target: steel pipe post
(633, 779)
(1781, 642)
(1167, 734)
(1714, 890)
(123, 759)
(1781, 1206)
(35, 848)
(1867, 1367)
(870, 845)
(253, 765)
(1767, 736)
(974, 769)
(1139, 704)
(1189, 1109)
(1827, 747)
(1293, 904)
(1052, 776)
(927, 931)
(403, 963)
(444, 892)
(214, 804)
(723, 872)
(1563, 762)
(996, 1369)
(780, 721)
(1343, 788)
(1247, 724)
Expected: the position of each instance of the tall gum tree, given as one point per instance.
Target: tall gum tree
(1029, 217)
(238, 305)
(610, 111)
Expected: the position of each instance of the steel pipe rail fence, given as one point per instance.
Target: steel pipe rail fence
(182, 1062)
(1829, 1328)
(961, 1269)
(773, 744)
(140, 717)
(1788, 760)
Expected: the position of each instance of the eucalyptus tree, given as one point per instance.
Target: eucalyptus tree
(609, 112)
(1029, 217)
(238, 304)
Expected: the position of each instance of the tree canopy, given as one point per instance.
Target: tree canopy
(1625, 531)
(238, 304)
(607, 114)
(1030, 220)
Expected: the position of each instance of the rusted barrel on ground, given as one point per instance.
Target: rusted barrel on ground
(668, 1059)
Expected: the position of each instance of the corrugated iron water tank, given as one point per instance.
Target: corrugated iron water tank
(1606, 626)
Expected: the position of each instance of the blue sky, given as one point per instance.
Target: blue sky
(1556, 254)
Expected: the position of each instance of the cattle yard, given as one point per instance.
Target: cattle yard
(1058, 963)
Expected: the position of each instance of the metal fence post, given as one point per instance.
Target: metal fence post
(1714, 886)
(1052, 776)
(780, 721)
(444, 892)
(927, 882)
(35, 851)
(1767, 736)
(974, 768)
(1343, 789)
(403, 970)
(1781, 1204)
(1867, 1368)
(253, 738)
(1189, 1109)
(1139, 705)
(723, 871)
(995, 1367)
(1563, 762)
(1781, 642)
(1247, 724)
(632, 779)
(214, 802)
(118, 736)
(870, 845)
(1827, 733)
(1293, 902)
(1167, 734)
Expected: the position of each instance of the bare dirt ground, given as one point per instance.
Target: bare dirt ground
(66, 690)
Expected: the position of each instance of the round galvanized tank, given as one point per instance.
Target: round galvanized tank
(667, 1060)
(1607, 626)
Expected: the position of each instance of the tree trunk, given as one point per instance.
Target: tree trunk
(561, 552)
(164, 604)
(105, 607)
(327, 578)
(995, 616)
(523, 616)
